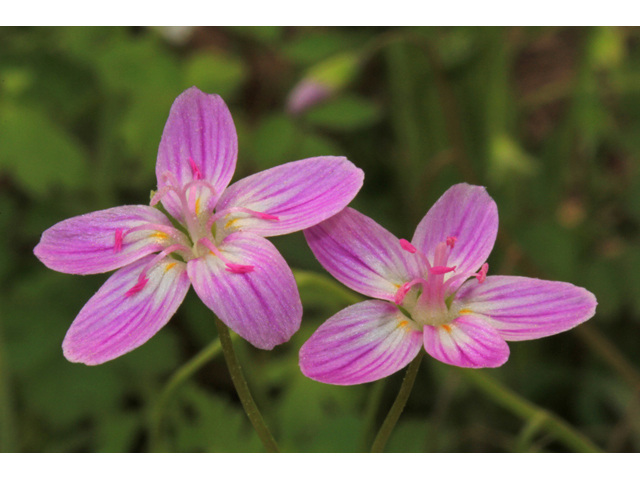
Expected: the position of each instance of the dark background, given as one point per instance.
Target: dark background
(548, 119)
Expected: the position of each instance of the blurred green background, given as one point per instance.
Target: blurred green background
(547, 118)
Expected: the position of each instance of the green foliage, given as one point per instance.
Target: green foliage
(215, 72)
(548, 119)
(345, 113)
(38, 153)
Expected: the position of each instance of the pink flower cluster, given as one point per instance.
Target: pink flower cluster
(432, 292)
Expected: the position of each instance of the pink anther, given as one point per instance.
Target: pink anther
(142, 281)
(441, 270)
(406, 245)
(482, 274)
(404, 289)
(236, 268)
(265, 216)
(401, 293)
(197, 174)
(118, 240)
(451, 241)
(231, 267)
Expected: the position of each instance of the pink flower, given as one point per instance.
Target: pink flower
(433, 291)
(234, 270)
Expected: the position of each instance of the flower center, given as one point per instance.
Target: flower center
(428, 299)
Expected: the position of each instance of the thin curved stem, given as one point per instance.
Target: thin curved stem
(543, 419)
(178, 378)
(242, 389)
(396, 409)
(595, 339)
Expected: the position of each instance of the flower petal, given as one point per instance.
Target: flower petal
(199, 142)
(523, 308)
(468, 341)
(300, 194)
(89, 243)
(114, 321)
(263, 306)
(363, 255)
(468, 213)
(362, 343)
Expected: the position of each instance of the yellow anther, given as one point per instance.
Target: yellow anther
(170, 266)
(403, 324)
(465, 311)
(446, 328)
(160, 235)
(198, 206)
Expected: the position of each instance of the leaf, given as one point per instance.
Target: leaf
(37, 152)
(310, 48)
(65, 393)
(207, 422)
(307, 406)
(218, 73)
(265, 34)
(274, 140)
(116, 432)
(409, 436)
(346, 113)
(320, 290)
(551, 247)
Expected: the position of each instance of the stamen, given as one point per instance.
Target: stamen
(171, 178)
(142, 281)
(161, 232)
(201, 183)
(162, 192)
(231, 267)
(235, 268)
(406, 245)
(451, 241)
(118, 240)
(197, 174)
(142, 278)
(404, 289)
(195, 201)
(482, 274)
(441, 270)
(218, 215)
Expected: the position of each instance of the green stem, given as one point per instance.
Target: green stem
(526, 410)
(397, 407)
(242, 389)
(177, 379)
(528, 432)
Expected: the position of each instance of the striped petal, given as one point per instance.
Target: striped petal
(121, 316)
(263, 306)
(363, 255)
(199, 142)
(521, 308)
(362, 343)
(468, 341)
(299, 194)
(98, 242)
(468, 213)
